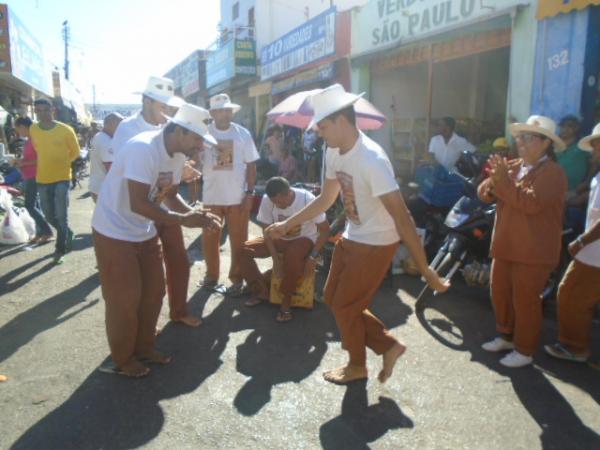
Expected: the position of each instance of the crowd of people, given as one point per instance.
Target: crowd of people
(139, 163)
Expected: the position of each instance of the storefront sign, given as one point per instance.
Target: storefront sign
(308, 43)
(186, 74)
(550, 8)
(566, 57)
(26, 54)
(305, 78)
(237, 57)
(387, 23)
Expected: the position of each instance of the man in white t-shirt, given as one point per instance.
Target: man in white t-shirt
(145, 175)
(299, 247)
(156, 99)
(229, 174)
(447, 146)
(101, 154)
(579, 291)
(358, 167)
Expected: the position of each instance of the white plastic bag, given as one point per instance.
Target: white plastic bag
(28, 222)
(12, 230)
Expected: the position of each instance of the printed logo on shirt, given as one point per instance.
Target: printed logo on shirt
(347, 183)
(223, 155)
(163, 184)
(294, 232)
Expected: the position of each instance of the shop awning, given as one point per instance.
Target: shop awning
(550, 8)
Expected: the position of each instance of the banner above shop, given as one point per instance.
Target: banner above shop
(25, 58)
(305, 78)
(237, 57)
(383, 24)
(186, 74)
(306, 44)
(550, 8)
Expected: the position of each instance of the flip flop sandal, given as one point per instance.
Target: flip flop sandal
(284, 316)
(212, 287)
(114, 370)
(559, 351)
(155, 361)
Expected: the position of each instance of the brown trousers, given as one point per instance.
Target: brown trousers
(236, 218)
(294, 252)
(578, 295)
(133, 286)
(177, 268)
(356, 272)
(516, 290)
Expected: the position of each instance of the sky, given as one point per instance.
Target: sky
(117, 44)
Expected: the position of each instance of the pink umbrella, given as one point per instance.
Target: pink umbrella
(296, 111)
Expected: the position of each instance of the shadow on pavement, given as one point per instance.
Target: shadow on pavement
(109, 411)
(82, 241)
(45, 315)
(359, 423)
(463, 324)
(5, 280)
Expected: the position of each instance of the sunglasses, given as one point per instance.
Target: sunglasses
(529, 137)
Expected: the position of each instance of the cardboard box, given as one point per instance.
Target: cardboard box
(304, 296)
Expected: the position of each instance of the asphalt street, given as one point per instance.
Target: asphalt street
(243, 381)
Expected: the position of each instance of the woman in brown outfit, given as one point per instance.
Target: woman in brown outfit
(530, 194)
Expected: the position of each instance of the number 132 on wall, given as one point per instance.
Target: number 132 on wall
(558, 60)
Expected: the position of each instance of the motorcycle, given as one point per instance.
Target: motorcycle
(468, 228)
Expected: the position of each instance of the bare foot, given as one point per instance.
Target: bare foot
(155, 358)
(134, 369)
(346, 374)
(189, 320)
(3, 378)
(389, 361)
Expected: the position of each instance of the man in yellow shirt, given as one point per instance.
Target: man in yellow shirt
(56, 146)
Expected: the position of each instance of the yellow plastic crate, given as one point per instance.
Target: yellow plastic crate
(304, 296)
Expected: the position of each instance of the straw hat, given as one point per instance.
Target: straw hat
(330, 100)
(222, 101)
(586, 142)
(195, 119)
(541, 125)
(159, 89)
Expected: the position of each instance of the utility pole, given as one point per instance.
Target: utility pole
(66, 36)
(94, 109)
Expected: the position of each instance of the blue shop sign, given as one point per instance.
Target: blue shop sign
(236, 57)
(308, 43)
(567, 66)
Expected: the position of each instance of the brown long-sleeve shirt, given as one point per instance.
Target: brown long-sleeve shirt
(529, 213)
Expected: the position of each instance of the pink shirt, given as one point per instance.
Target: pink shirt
(29, 154)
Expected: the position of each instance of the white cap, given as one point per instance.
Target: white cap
(541, 125)
(159, 89)
(195, 119)
(222, 101)
(330, 100)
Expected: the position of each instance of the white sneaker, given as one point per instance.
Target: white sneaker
(515, 359)
(497, 345)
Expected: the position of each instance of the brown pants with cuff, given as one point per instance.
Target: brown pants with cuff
(133, 286)
(177, 268)
(294, 252)
(237, 219)
(356, 272)
(578, 295)
(516, 290)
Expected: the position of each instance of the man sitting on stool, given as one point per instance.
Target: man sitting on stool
(299, 247)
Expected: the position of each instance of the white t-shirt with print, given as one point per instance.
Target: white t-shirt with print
(224, 166)
(268, 213)
(144, 159)
(590, 254)
(447, 154)
(130, 127)
(364, 173)
(100, 153)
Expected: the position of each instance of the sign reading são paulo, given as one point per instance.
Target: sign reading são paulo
(308, 43)
(383, 23)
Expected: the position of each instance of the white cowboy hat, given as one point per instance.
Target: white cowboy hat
(195, 119)
(330, 100)
(175, 102)
(222, 101)
(586, 142)
(159, 89)
(540, 125)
